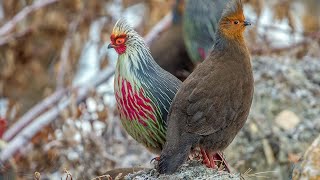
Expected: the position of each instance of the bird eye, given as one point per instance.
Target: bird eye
(236, 22)
(120, 41)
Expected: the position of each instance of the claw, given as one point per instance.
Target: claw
(223, 161)
(157, 158)
(209, 159)
(195, 154)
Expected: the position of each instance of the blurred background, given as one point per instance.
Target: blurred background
(57, 107)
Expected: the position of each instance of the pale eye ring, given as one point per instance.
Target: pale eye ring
(236, 22)
(120, 40)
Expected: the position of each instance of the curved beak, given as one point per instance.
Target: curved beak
(111, 46)
(247, 23)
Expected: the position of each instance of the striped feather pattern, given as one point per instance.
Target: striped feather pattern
(143, 90)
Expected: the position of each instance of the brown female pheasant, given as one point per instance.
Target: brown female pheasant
(213, 103)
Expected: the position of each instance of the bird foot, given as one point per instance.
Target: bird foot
(207, 159)
(195, 154)
(210, 159)
(155, 159)
(219, 157)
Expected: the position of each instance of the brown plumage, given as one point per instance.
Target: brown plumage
(214, 101)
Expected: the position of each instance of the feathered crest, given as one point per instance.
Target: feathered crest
(233, 9)
(122, 27)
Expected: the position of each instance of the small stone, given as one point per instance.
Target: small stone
(253, 128)
(287, 120)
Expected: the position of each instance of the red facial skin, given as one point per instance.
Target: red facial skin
(119, 43)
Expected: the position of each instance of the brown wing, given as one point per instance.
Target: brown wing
(213, 103)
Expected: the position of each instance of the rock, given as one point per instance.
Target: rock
(287, 120)
(120, 173)
(193, 170)
(309, 166)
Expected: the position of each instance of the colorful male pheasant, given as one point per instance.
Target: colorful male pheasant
(143, 90)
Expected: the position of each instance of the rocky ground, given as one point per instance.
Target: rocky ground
(284, 119)
(191, 170)
(308, 166)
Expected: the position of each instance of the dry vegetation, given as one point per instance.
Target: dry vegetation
(40, 46)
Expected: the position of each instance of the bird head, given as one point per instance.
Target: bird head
(232, 22)
(130, 46)
(122, 36)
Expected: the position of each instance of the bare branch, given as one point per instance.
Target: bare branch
(306, 41)
(33, 113)
(7, 27)
(65, 53)
(8, 38)
(161, 26)
(40, 122)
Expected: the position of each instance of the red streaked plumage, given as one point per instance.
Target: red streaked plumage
(134, 105)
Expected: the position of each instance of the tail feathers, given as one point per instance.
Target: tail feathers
(172, 157)
(170, 162)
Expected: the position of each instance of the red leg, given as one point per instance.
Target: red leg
(210, 158)
(205, 159)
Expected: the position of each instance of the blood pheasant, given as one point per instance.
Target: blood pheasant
(213, 103)
(200, 23)
(143, 90)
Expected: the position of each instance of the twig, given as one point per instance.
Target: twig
(161, 26)
(40, 122)
(257, 175)
(8, 38)
(275, 50)
(69, 175)
(7, 27)
(268, 152)
(102, 176)
(37, 176)
(279, 49)
(65, 53)
(33, 113)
